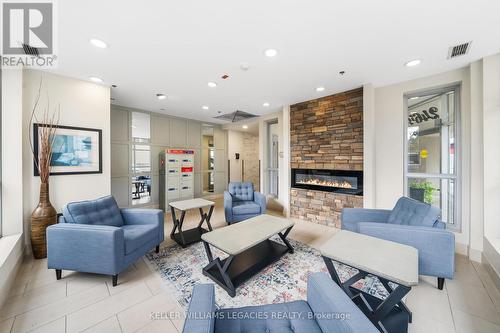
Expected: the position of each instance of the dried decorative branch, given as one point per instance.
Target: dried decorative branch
(46, 135)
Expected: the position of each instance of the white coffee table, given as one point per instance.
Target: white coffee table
(388, 261)
(186, 237)
(249, 248)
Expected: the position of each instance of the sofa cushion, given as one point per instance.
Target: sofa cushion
(241, 191)
(412, 212)
(102, 211)
(245, 207)
(292, 317)
(136, 235)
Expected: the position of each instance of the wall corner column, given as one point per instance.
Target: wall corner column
(369, 200)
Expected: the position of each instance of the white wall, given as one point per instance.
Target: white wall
(491, 124)
(234, 145)
(82, 104)
(389, 136)
(369, 147)
(11, 242)
(491, 142)
(476, 162)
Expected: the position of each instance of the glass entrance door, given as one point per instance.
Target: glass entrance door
(432, 150)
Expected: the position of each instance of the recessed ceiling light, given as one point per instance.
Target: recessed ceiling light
(212, 84)
(413, 63)
(161, 96)
(271, 53)
(98, 43)
(244, 126)
(320, 89)
(265, 104)
(95, 79)
(205, 107)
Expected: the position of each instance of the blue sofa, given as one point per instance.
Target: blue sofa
(241, 202)
(98, 237)
(413, 223)
(328, 309)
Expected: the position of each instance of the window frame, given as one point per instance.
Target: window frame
(457, 176)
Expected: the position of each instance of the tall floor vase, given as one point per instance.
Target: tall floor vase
(43, 216)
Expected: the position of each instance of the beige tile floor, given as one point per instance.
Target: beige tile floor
(88, 303)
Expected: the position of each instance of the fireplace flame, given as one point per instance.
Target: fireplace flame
(329, 183)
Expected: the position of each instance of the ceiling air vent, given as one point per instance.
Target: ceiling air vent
(30, 50)
(458, 50)
(236, 116)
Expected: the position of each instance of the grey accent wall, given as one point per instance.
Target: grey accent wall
(166, 132)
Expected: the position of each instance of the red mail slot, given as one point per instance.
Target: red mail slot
(187, 169)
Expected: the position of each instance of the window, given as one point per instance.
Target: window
(432, 150)
(273, 158)
(140, 186)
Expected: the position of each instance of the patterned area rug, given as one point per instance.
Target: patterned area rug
(283, 281)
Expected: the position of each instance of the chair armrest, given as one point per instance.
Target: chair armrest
(350, 217)
(436, 247)
(85, 248)
(326, 299)
(145, 216)
(142, 216)
(260, 199)
(228, 206)
(200, 317)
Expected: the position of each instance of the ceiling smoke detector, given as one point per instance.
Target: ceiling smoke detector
(459, 50)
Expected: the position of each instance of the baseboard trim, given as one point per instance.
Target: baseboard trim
(476, 255)
(462, 249)
(491, 259)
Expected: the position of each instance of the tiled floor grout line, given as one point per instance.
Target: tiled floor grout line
(119, 324)
(50, 302)
(451, 309)
(102, 321)
(34, 328)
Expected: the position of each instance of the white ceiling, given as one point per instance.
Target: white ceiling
(176, 47)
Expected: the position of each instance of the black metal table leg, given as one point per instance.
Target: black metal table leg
(401, 304)
(283, 238)
(210, 211)
(226, 283)
(383, 308)
(174, 220)
(206, 217)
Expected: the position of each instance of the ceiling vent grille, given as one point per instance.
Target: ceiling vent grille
(236, 116)
(458, 50)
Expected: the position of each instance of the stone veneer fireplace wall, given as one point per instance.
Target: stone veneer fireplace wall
(326, 133)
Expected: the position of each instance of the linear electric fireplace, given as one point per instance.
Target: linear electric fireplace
(338, 181)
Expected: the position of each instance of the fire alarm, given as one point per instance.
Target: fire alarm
(225, 76)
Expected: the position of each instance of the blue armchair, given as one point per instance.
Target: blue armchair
(98, 237)
(413, 223)
(328, 309)
(241, 202)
